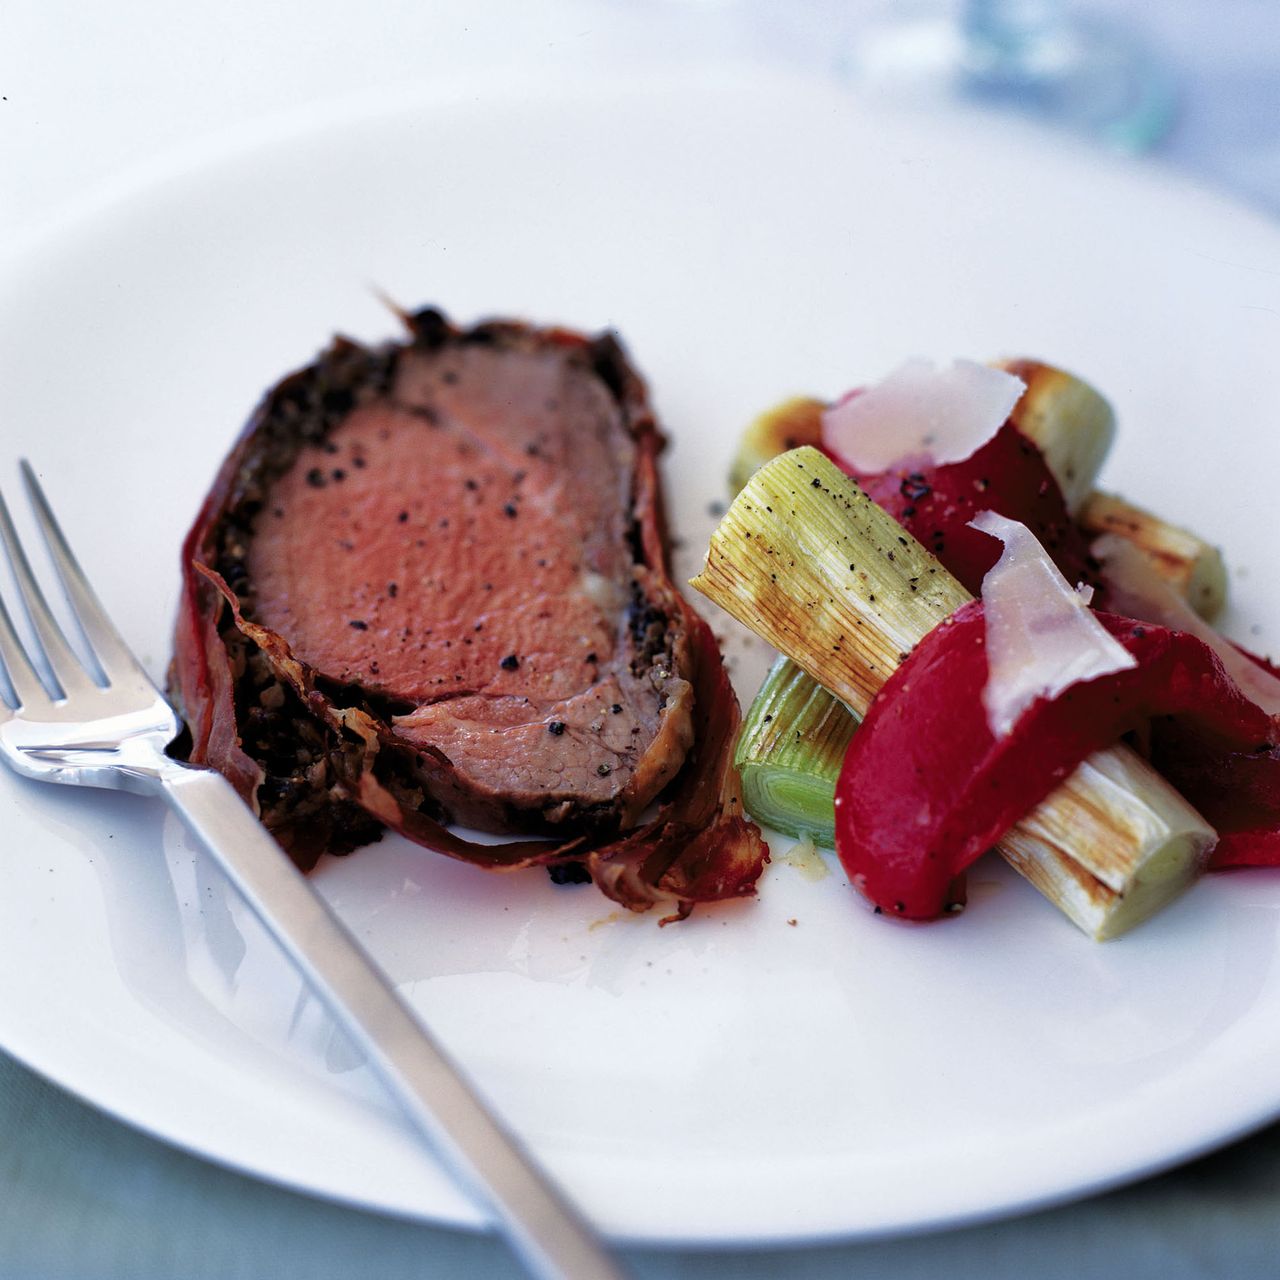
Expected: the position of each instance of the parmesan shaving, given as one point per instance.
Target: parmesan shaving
(921, 414)
(1041, 636)
(1136, 590)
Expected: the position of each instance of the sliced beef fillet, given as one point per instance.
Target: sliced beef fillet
(429, 585)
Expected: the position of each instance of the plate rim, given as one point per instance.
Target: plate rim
(245, 139)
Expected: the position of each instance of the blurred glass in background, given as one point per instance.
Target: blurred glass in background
(1194, 82)
(1040, 58)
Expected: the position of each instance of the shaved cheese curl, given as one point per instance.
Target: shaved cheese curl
(921, 414)
(1041, 635)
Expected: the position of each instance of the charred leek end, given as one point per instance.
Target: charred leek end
(807, 561)
(1135, 844)
(1185, 561)
(790, 752)
(1073, 426)
(786, 426)
(1068, 421)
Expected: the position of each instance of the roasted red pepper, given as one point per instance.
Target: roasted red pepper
(1009, 475)
(926, 788)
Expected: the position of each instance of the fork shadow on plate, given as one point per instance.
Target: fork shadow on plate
(182, 943)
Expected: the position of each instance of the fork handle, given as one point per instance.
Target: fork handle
(542, 1228)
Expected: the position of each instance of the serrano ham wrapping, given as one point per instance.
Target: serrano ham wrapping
(430, 586)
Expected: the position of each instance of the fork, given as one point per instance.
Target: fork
(67, 726)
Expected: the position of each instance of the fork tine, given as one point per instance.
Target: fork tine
(65, 666)
(13, 661)
(113, 655)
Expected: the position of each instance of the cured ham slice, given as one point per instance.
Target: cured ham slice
(430, 585)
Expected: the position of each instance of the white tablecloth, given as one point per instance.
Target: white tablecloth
(89, 92)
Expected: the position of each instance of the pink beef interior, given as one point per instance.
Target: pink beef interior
(461, 546)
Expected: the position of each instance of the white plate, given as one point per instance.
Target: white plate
(789, 1069)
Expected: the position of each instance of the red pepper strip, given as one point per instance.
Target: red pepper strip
(1238, 792)
(926, 788)
(1008, 475)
